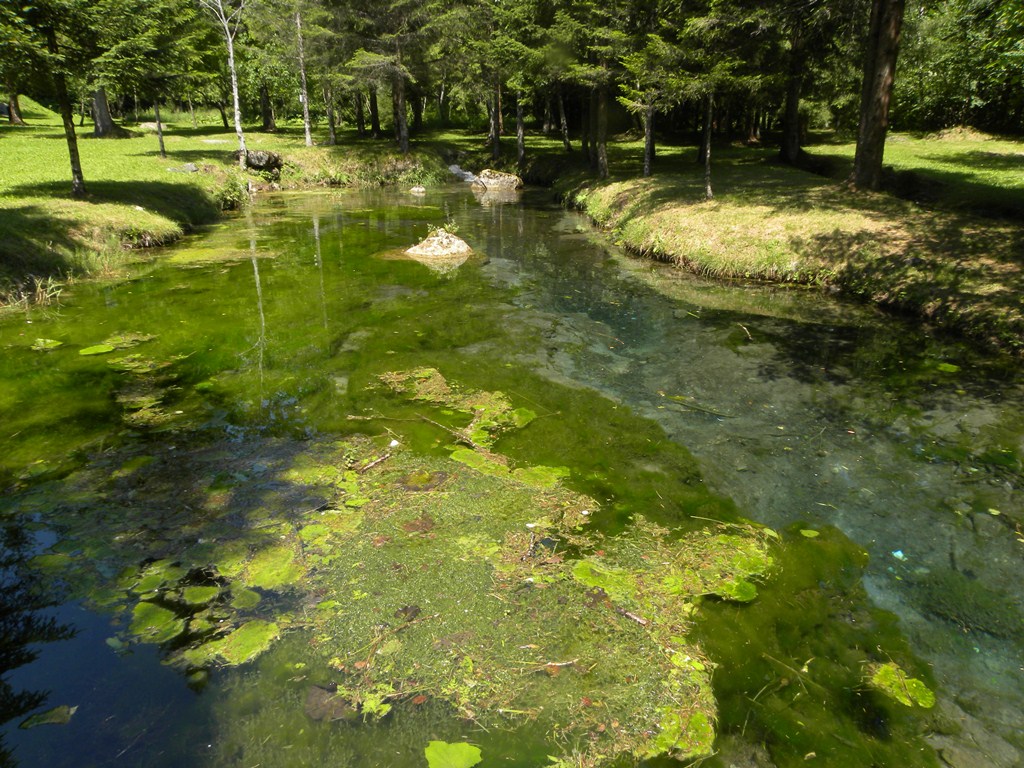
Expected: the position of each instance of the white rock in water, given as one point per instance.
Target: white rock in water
(499, 180)
(442, 244)
(418, 190)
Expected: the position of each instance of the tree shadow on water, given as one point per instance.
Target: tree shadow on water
(22, 626)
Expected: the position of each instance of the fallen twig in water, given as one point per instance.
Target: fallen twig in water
(462, 437)
(633, 617)
(372, 464)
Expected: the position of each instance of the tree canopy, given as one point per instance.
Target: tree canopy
(769, 70)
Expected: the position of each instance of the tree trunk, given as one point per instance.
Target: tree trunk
(192, 114)
(602, 132)
(709, 114)
(401, 120)
(585, 127)
(592, 118)
(81, 112)
(494, 133)
(520, 132)
(416, 102)
(879, 75)
(267, 110)
(548, 116)
(563, 122)
(374, 113)
(67, 117)
(303, 92)
(159, 127)
(648, 138)
(332, 136)
(360, 116)
(14, 109)
(443, 105)
(790, 150)
(104, 126)
(229, 38)
(753, 125)
(501, 119)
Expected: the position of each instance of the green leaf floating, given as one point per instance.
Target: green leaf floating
(97, 349)
(57, 716)
(44, 345)
(441, 754)
(127, 339)
(155, 624)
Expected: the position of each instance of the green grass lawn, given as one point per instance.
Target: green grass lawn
(958, 168)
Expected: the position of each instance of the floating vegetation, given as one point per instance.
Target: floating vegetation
(492, 413)
(464, 580)
(441, 754)
(127, 339)
(96, 349)
(152, 623)
(894, 682)
(460, 580)
(243, 644)
(60, 715)
(45, 345)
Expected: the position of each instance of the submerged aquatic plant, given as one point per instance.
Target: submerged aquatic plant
(891, 680)
(465, 580)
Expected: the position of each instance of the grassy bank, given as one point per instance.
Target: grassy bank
(960, 271)
(941, 261)
(136, 198)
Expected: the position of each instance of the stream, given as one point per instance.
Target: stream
(888, 459)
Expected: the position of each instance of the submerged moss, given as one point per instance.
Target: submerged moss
(488, 595)
(894, 682)
(803, 649)
(968, 603)
(492, 412)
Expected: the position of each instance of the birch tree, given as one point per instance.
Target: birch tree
(228, 15)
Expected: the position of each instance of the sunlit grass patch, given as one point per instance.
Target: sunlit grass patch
(959, 168)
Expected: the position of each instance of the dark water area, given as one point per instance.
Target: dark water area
(226, 374)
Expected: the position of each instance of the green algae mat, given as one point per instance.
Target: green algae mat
(457, 577)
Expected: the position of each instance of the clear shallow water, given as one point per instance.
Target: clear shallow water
(799, 409)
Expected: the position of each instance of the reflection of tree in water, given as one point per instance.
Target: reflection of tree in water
(21, 596)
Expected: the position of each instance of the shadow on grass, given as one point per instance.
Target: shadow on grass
(218, 156)
(956, 273)
(33, 241)
(184, 203)
(957, 189)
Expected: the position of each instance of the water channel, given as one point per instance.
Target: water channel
(888, 460)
